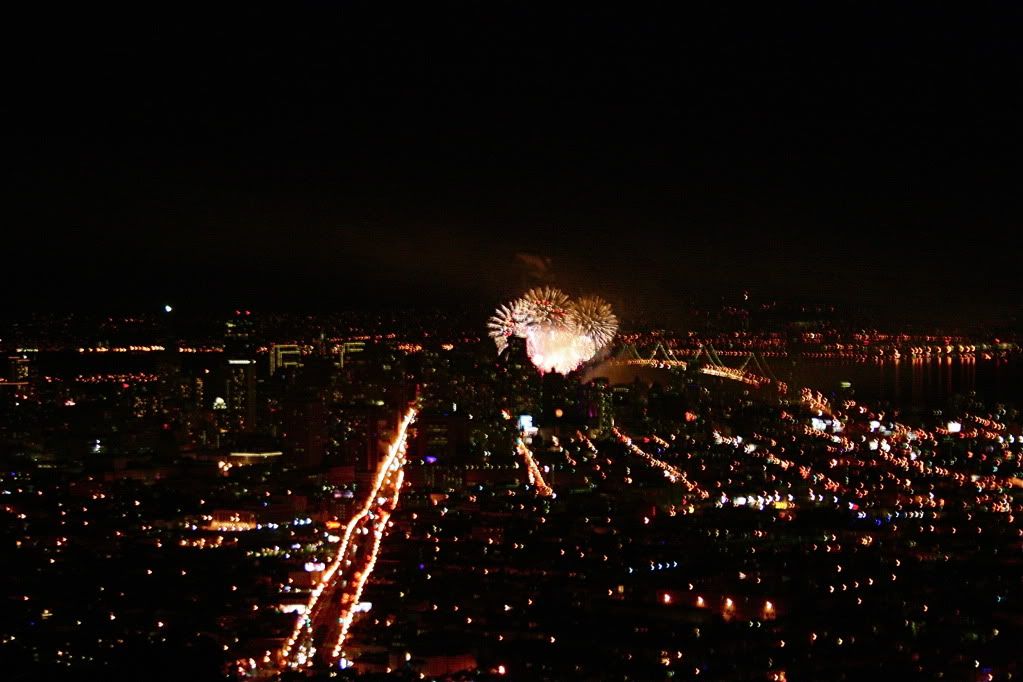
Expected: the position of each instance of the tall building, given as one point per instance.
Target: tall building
(348, 349)
(364, 433)
(284, 355)
(238, 334)
(18, 368)
(18, 379)
(305, 431)
(600, 407)
(441, 436)
(241, 393)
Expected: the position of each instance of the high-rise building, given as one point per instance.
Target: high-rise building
(348, 349)
(601, 405)
(238, 334)
(241, 393)
(440, 436)
(18, 368)
(284, 355)
(18, 379)
(305, 431)
(364, 432)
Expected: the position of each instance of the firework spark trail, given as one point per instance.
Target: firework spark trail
(509, 320)
(592, 317)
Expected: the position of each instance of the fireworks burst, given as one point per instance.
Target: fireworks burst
(560, 334)
(591, 316)
(509, 320)
(546, 305)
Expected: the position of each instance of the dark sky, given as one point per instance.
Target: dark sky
(320, 154)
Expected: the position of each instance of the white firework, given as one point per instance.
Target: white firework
(560, 334)
(509, 320)
(558, 349)
(546, 304)
(591, 316)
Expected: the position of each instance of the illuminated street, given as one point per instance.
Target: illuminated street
(319, 635)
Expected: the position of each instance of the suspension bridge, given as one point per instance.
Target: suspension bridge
(753, 370)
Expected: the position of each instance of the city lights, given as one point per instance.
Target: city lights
(510, 341)
(814, 495)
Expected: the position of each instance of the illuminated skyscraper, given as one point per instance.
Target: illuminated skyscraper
(241, 393)
(284, 355)
(349, 348)
(601, 405)
(238, 334)
(18, 368)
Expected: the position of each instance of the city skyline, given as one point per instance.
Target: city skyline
(272, 496)
(511, 341)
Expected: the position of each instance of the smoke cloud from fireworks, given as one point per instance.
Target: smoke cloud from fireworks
(561, 334)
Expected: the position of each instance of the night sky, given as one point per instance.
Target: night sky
(339, 154)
